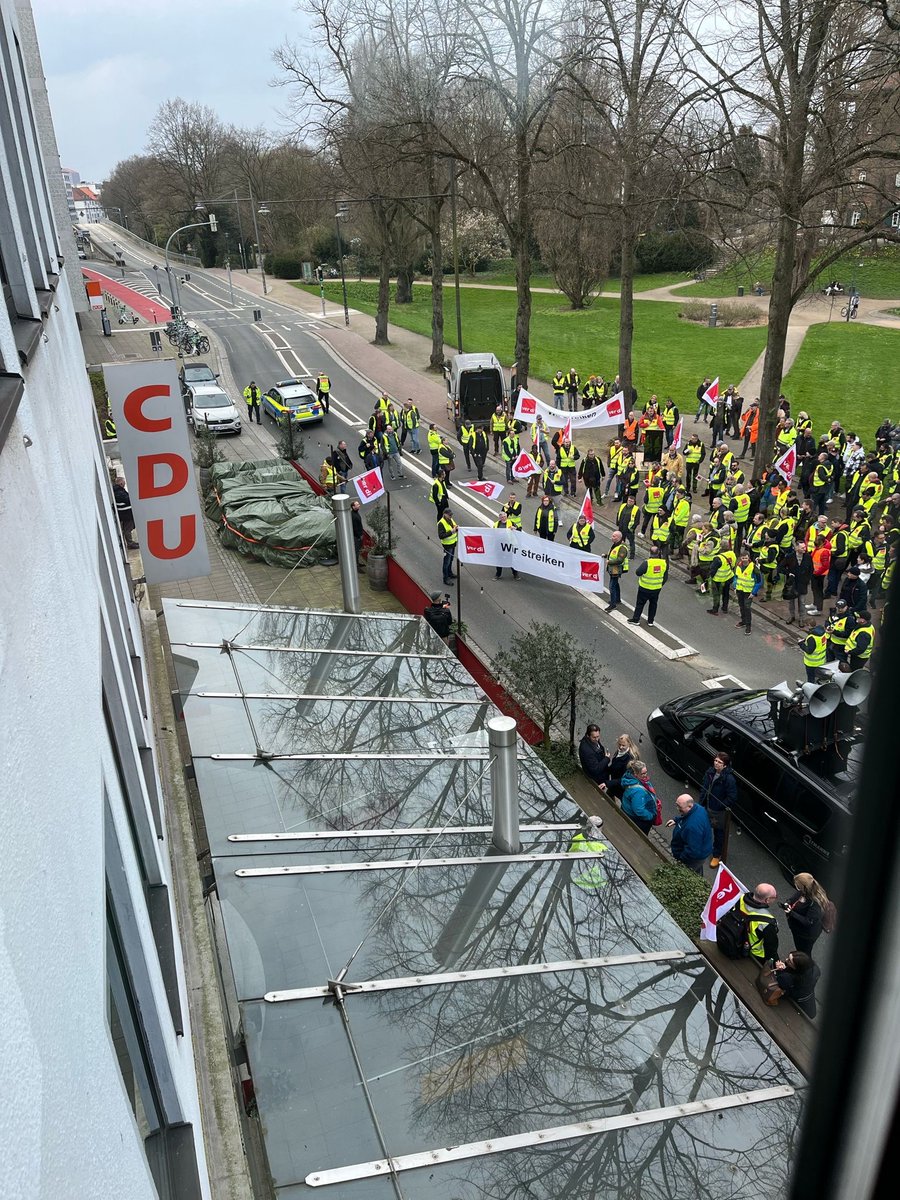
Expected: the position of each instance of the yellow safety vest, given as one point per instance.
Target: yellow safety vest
(654, 500)
(559, 384)
(434, 439)
(467, 435)
(498, 422)
(693, 453)
(668, 416)
(591, 877)
(682, 513)
(567, 457)
(514, 515)
(815, 657)
(746, 578)
(580, 537)
(447, 532)
(554, 479)
(836, 630)
(411, 417)
(618, 557)
(725, 571)
(329, 476)
(324, 384)
(652, 579)
(614, 457)
(851, 642)
(741, 508)
(545, 515)
(787, 437)
(660, 529)
(438, 492)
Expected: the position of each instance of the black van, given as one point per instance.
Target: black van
(796, 787)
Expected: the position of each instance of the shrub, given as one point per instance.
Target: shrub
(682, 893)
(556, 758)
(284, 266)
(687, 250)
(731, 312)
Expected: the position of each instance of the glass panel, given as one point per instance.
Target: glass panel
(361, 1189)
(735, 1154)
(283, 797)
(311, 1106)
(294, 931)
(334, 726)
(336, 631)
(322, 675)
(484, 1058)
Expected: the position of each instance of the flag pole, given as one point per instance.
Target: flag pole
(390, 538)
(458, 593)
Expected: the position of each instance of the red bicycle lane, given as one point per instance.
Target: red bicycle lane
(151, 310)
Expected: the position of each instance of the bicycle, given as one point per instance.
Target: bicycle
(852, 309)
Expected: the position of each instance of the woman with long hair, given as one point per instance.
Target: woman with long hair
(625, 753)
(808, 911)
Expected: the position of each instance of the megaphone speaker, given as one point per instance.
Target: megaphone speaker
(855, 686)
(781, 691)
(821, 698)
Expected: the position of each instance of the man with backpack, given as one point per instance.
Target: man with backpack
(749, 928)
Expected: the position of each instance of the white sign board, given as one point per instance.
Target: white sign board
(148, 410)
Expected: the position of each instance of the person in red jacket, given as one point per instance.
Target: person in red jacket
(821, 564)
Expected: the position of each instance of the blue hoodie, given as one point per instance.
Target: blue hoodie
(692, 837)
(638, 799)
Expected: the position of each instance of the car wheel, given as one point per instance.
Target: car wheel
(668, 764)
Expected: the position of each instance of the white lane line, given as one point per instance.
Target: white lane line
(719, 681)
(206, 296)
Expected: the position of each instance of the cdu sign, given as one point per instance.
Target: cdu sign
(147, 408)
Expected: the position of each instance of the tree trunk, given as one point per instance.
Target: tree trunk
(626, 308)
(780, 308)
(384, 299)
(436, 362)
(405, 276)
(521, 252)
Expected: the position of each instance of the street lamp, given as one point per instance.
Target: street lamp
(342, 213)
(264, 209)
(213, 226)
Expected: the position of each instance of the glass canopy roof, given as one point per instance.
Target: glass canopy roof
(424, 1016)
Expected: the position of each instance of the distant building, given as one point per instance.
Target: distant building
(87, 205)
(71, 179)
(94, 1022)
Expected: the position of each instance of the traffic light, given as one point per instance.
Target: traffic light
(320, 275)
(213, 223)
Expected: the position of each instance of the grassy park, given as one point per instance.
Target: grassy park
(502, 274)
(849, 373)
(876, 275)
(670, 356)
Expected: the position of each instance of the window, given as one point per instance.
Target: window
(721, 736)
(854, 217)
(895, 219)
(897, 180)
(862, 177)
(801, 802)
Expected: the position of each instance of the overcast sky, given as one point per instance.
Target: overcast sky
(111, 63)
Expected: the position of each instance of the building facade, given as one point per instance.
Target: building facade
(94, 1025)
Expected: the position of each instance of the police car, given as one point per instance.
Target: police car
(797, 766)
(291, 397)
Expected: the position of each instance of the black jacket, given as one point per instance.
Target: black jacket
(593, 759)
(440, 618)
(797, 572)
(719, 790)
(800, 986)
(805, 918)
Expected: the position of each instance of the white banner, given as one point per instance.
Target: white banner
(611, 412)
(145, 399)
(533, 556)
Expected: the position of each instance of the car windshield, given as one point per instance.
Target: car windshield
(212, 400)
(196, 374)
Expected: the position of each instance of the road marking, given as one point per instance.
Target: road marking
(718, 681)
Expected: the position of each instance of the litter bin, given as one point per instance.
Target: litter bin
(740, 291)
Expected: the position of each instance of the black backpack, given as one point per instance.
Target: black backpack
(732, 933)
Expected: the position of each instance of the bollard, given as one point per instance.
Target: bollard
(346, 554)
(713, 315)
(504, 784)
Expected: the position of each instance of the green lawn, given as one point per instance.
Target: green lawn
(876, 275)
(670, 356)
(849, 373)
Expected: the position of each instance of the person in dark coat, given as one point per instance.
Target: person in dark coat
(717, 795)
(806, 910)
(692, 840)
(796, 568)
(358, 531)
(124, 512)
(797, 976)
(438, 615)
(594, 759)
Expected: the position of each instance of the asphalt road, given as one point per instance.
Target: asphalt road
(689, 651)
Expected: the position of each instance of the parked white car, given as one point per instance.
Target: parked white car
(209, 405)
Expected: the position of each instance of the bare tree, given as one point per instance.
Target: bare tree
(817, 80)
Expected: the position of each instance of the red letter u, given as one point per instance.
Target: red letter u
(156, 544)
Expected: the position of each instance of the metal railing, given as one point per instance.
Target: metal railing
(189, 260)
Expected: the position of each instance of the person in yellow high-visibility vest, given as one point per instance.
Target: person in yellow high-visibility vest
(581, 534)
(652, 575)
(814, 647)
(323, 390)
(746, 581)
(588, 841)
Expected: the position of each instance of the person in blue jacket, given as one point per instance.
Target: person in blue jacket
(717, 795)
(638, 796)
(692, 839)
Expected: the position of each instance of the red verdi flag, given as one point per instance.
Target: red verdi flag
(370, 485)
(524, 466)
(787, 464)
(566, 435)
(711, 395)
(587, 508)
(677, 435)
(485, 487)
(726, 891)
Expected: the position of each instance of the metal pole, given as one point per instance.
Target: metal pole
(459, 341)
(322, 292)
(262, 269)
(346, 553)
(390, 539)
(240, 229)
(228, 266)
(458, 594)
(504, 784)
(337, 224)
